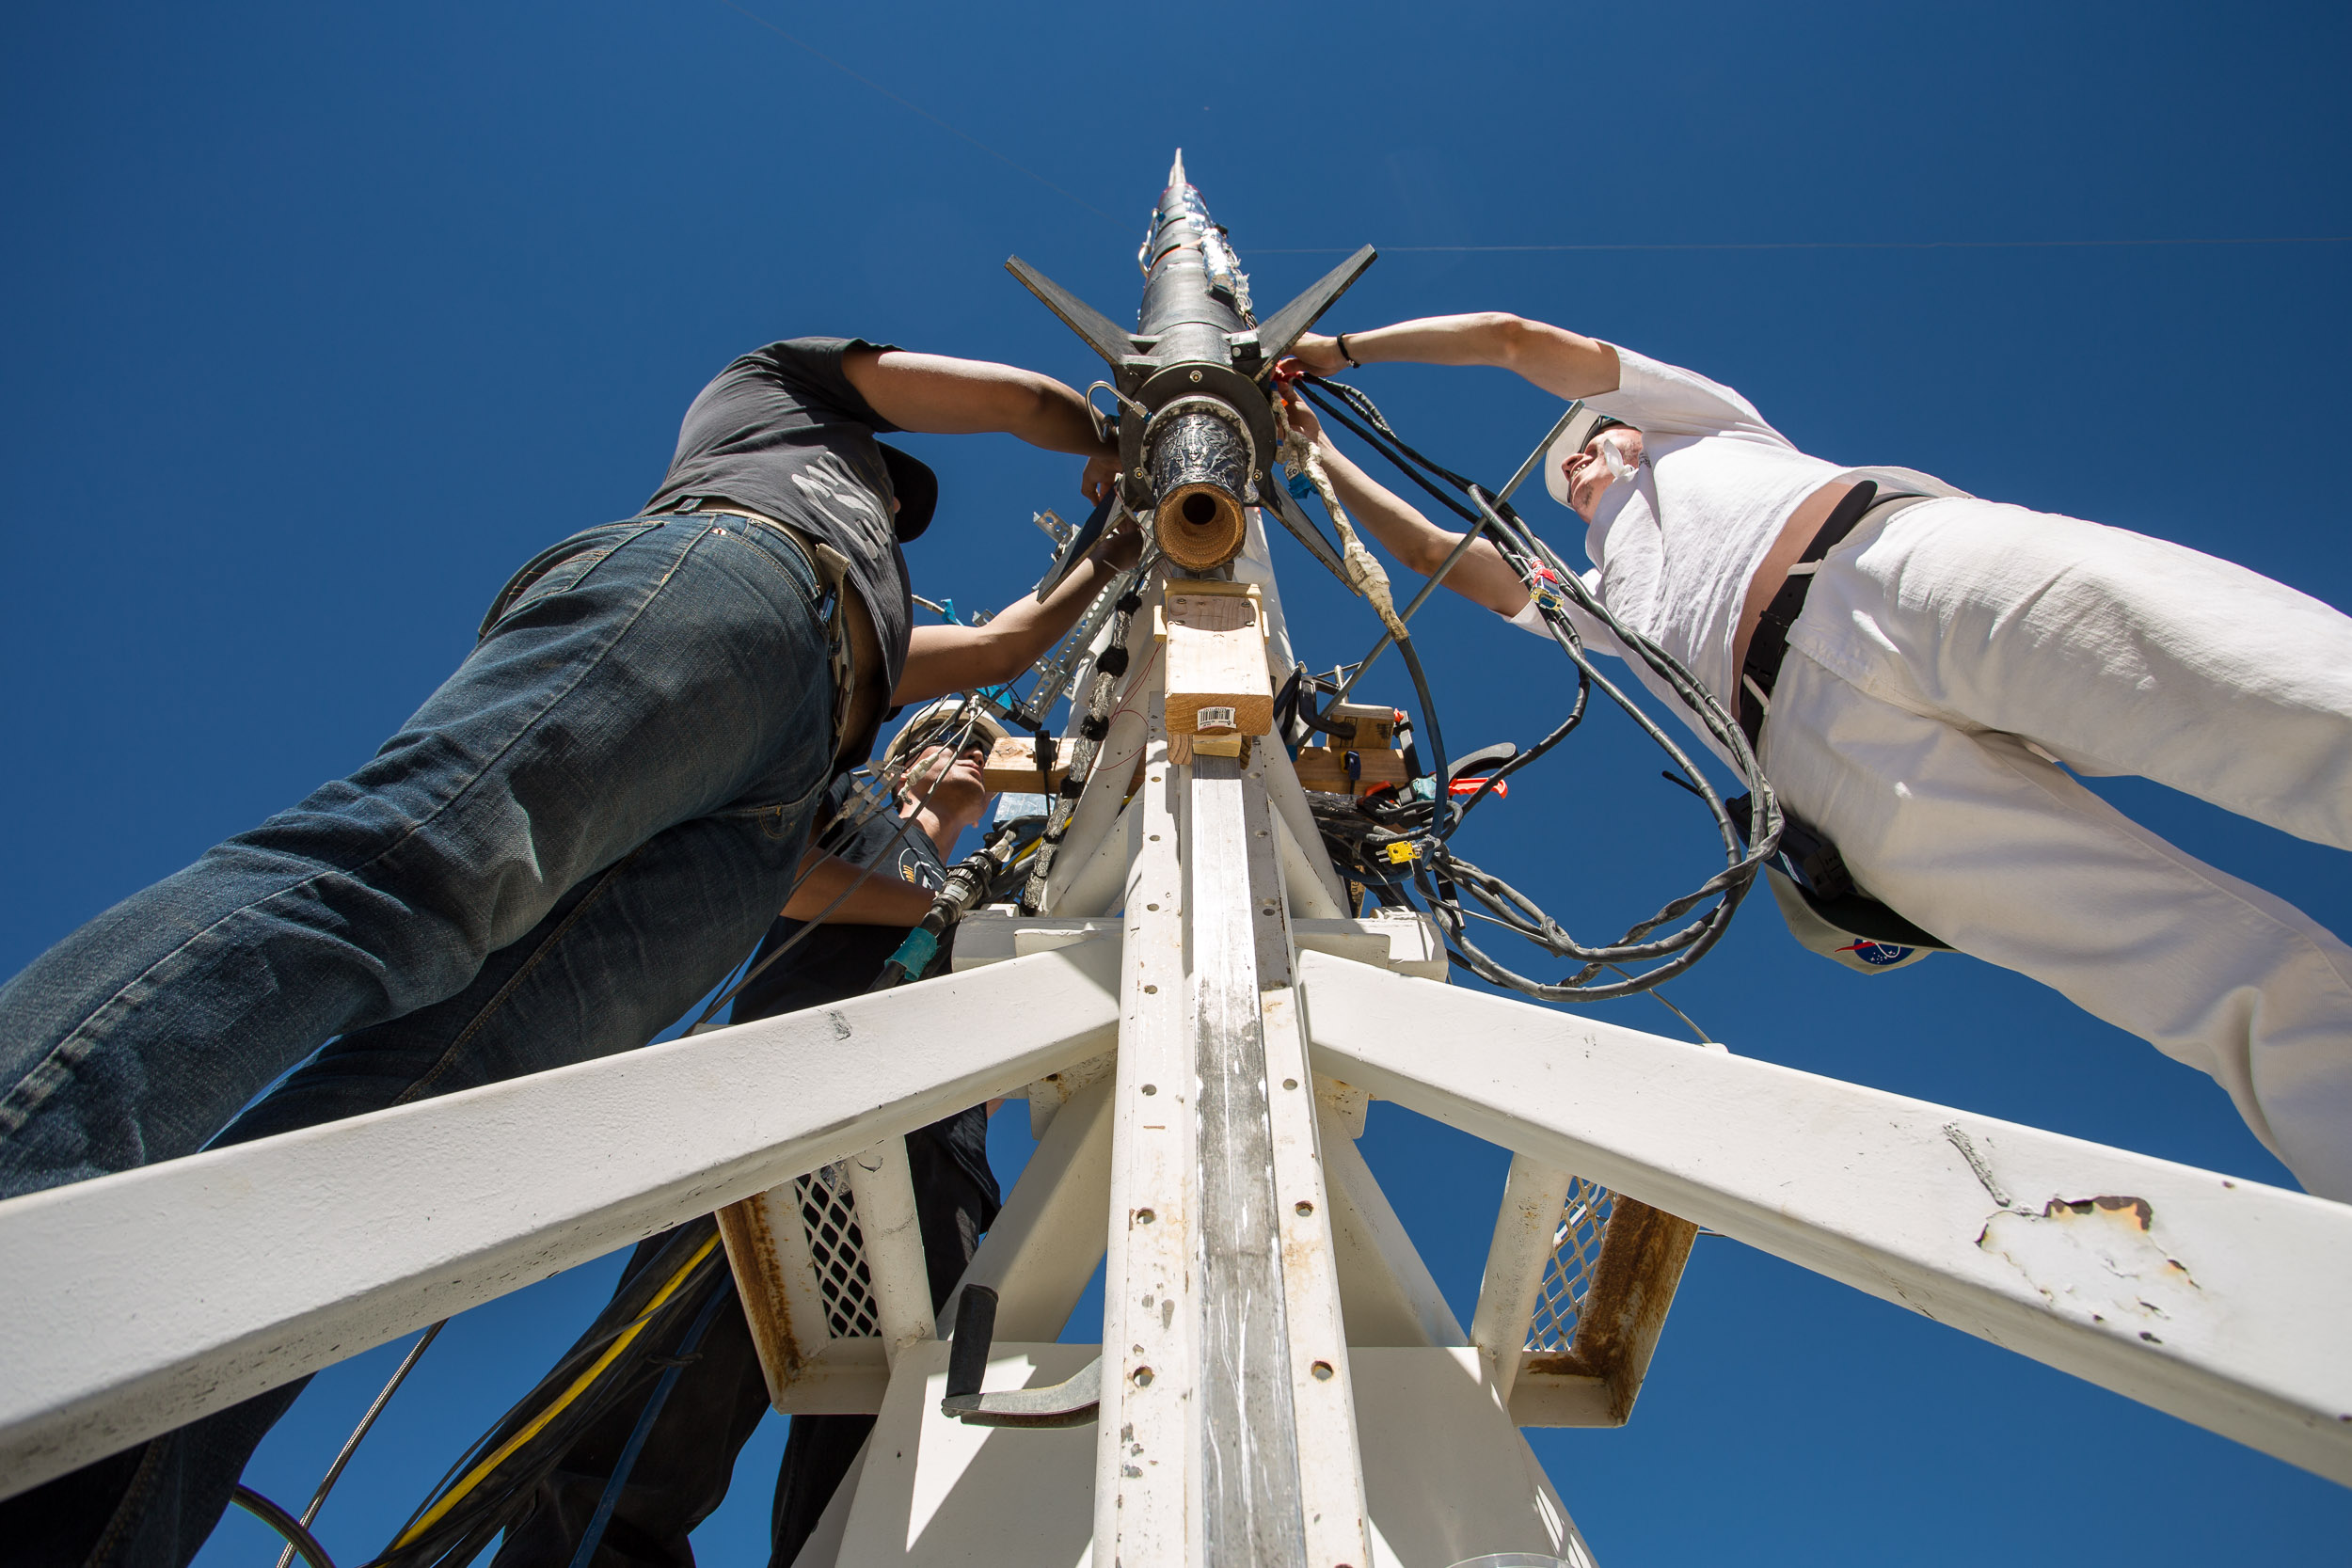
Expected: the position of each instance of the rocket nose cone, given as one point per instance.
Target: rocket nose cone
(1176, 169)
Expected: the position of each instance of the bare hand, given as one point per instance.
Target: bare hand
(1122, 547)
(1304, 421)
(1318, 354)
(1100, 475)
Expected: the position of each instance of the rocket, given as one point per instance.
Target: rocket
(1196, 428)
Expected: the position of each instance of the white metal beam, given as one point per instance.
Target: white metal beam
(1389, 1295)
(1404, 941)
(1146, 1458)
(1525, 1223)
(1252, 1509)
(1322, 1391)
(1095, 887)
(1040, 1253)
(1315, 890)
(882, 1183)
(136, 1302)
(2216, 1298)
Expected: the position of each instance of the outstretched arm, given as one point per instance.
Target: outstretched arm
(1564, 363)
(878, 900)
(1482, 575)
(936, 395)
(941, 659)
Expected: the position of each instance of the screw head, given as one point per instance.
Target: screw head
(1196, 376)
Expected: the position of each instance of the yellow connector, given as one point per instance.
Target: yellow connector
(1402, 854)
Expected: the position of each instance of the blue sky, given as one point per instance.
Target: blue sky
(321, 318)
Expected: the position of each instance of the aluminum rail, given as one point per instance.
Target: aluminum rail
(136, 1302)
(2219, 1300)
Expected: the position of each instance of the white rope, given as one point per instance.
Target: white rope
(1364, 572)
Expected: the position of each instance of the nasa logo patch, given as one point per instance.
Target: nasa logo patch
(1877, 953)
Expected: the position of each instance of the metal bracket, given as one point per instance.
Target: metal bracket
(1072, 1402)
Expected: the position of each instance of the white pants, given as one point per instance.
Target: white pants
(1934, 650)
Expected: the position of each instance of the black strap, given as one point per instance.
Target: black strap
(1770, 646)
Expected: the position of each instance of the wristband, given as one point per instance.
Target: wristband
(1342, 342)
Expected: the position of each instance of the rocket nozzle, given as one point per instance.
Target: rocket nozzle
(1199, 458)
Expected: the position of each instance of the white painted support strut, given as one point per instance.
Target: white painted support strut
(1145, 1456)
(1392, 1297)
(1525, 1223)
(136, 1302)
(1040, 1253)
(882, 1186)
(2219, 1300)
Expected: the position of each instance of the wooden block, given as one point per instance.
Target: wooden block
(1373, 725)
(1183, 745)
(1011, 766)
(1217, 682)
(1325, 768)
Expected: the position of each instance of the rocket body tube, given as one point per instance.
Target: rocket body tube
(1199, 455)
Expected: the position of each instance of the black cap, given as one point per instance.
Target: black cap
(917, 489)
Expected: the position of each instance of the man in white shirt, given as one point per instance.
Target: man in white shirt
(1919, 694)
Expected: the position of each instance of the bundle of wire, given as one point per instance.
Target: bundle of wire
(1377, 836)
(618, 1360)
(1093, 726)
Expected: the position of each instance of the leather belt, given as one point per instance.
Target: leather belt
(1770, 646)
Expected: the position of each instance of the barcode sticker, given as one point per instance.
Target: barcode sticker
(1214, 719)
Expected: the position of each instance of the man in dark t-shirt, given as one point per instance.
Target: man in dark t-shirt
(682, 1470)
(576, 836)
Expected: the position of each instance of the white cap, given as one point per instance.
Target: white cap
(936, 722)
(1570, 441)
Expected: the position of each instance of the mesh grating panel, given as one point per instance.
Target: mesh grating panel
(1568, 1277)
(830, 1217)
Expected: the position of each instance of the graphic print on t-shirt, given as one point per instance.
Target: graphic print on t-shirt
(827, 484)
(920, 870)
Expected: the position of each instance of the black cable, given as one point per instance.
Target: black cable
(543, 1425)
(1093, 729)
(687, 1352)
(359, 1433)
(1381, 446)
(1439, 875)
(286, 1525)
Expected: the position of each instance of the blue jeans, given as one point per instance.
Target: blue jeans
(578, 834)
